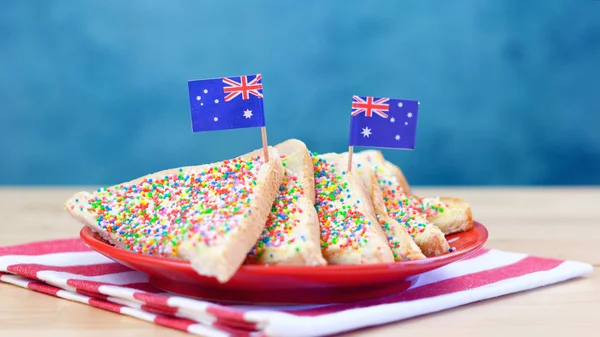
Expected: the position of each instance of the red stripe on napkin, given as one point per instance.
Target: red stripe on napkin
(105, 305)
(43, 288)
(89, 286)
(177, 323)
(526, 266)
(152, 299)
(92, 294)
(31, 270)
(46, 247)
(165, 311)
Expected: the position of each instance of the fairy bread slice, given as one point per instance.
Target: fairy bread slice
(350, 231)
(292, 235)
(210, 215)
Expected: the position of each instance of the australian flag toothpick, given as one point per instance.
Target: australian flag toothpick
(383, 122)
(226, 103)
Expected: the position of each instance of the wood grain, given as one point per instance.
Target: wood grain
(553, 222)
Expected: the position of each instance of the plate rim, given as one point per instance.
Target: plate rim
(121, 255)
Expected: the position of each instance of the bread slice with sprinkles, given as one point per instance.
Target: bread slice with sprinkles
(292, 235)
(350, 231)
(405, 209)
(210, 215)
(402, 244)
(449, 214)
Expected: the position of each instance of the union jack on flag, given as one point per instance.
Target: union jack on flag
(243, 87)
(383, 122)
(370, 106)
(226, 103)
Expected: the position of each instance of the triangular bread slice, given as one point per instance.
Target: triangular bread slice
(350, 231)
(403, 208)
(402, 244)
(210, 215)
(292, 235)
(449, 214)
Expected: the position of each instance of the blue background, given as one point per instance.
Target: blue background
(95, 92)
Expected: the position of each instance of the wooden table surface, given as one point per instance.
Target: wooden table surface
(553, 222)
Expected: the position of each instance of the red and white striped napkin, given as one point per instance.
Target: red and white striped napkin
(69, 270)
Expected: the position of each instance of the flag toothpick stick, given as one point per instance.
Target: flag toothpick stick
(350, 150)
(263, 131)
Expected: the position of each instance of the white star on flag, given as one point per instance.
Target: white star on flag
(247, 113)
(397, 137)
(400, 104)
(216, 101)
(392, 119)
(198, 98)
(216, 119)
(366, 132)
(205, 91)
(405, 123)
(409, 115)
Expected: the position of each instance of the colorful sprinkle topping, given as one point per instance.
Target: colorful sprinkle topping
(155, 215)
(283, 219)
(342, 224)
(408, 210)
(393, 241)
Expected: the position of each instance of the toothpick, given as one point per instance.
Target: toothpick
(350, 150)
(263, 131)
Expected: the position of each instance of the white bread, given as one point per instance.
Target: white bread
(399, 206)
(350, 231)
(449, 214)
(402, 244)
(210, 215)
(453, 214)
(292, 234)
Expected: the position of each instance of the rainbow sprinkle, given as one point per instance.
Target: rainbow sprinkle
(284, 217)
(155, 215)
(410, 211)
(342, 224)
(393, 241)
(407, 210)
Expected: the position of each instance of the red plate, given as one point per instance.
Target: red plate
(289, 284)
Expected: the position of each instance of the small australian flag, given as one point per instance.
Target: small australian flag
(383, 122)
(226, 103)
